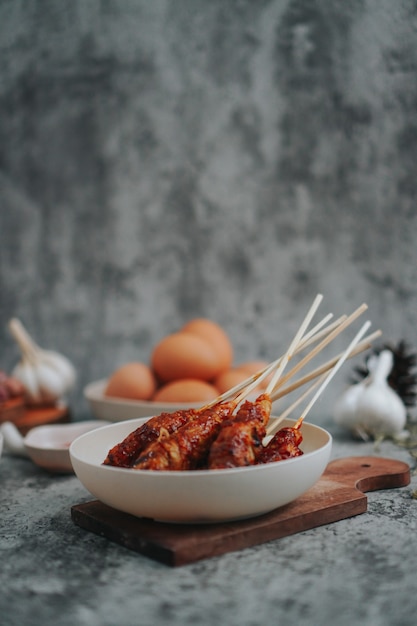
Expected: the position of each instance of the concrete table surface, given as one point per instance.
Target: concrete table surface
(361, 570)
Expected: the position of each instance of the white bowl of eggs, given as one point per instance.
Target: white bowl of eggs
(186, 369)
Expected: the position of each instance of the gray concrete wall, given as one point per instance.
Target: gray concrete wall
(164, 160)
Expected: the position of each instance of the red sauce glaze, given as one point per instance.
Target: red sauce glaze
(188, 447)
(284, 445)
(124, 454)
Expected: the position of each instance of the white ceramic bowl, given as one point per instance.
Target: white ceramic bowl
(201, 495)
(118, 410)
(48, 446)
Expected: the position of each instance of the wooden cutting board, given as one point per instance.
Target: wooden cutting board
(337, 495)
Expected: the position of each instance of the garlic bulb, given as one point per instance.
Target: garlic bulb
(46, 375)
(371, 407)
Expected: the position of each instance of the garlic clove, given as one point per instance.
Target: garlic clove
(381, 412)
(62, 366)
(24, 372)
(345, 408)
(13, 439)
(50, 383)
(381, 367)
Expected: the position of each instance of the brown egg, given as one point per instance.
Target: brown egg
(216, 337)
(231, 378)
(184, 355)
(253, 367)
(186, 390)
(133, 381)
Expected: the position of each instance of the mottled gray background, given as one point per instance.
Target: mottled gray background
(163, 160)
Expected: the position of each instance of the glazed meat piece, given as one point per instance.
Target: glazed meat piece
(186, 448)
(241, 436)
(124, 454)
(284, 445)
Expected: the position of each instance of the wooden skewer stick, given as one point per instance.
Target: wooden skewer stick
(315, 330)
(322, 373)
(349, 320)
(246, 385)
(273, 424)
(253, 381)
(365, 344)
(335, 369)
(308, 339)
(295, 342)
(284, 359)
(314, 335)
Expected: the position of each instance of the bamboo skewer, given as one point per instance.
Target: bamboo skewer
(282, 361)
(334, 370)
(245, 387)
(314, 332)
(294, 344)
(323, 381)
(311, 337)
(273, 424)
(349, 320)
(264, 372)
(361, 347)
(299, 343)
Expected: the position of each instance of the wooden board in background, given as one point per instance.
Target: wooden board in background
(27, 418)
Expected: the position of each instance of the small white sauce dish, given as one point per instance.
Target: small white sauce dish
(48, 446)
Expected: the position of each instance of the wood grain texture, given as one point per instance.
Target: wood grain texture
(337, 495)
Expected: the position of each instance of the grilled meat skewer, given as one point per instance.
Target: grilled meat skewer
(187, 447)
(240, 437)
(283, 445)
(125, 453)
